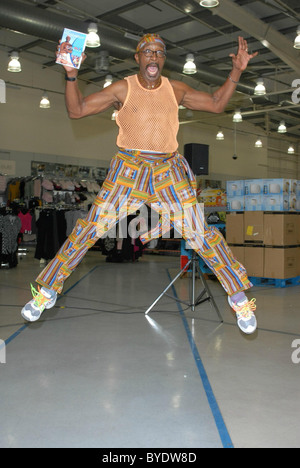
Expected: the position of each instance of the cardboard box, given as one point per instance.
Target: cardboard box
(254, 226)
(235, 228)
(254, 260)
(281, 229)
(281, 262)
(298, 228)
(238, 252)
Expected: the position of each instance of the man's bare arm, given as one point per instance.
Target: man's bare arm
(217, 101)
(79, 106)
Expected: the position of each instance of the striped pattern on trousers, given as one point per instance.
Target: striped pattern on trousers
(166, 183)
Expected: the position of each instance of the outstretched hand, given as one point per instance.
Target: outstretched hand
(241, 59)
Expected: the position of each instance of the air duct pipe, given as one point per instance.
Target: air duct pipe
(48, 25)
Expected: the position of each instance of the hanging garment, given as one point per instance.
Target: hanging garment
(10, 226)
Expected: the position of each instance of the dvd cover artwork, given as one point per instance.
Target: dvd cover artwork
(72, 45)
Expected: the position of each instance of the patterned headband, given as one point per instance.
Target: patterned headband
(147, 39)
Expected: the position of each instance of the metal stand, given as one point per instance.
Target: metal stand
(205, 294)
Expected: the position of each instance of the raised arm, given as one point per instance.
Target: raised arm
(79, 106)
(217, 101)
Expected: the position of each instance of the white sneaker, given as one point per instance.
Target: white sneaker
(42, 299)
(244, 310)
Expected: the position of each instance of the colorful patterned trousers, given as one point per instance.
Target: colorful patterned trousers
(166, 183)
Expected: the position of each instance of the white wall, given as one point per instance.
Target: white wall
(251, 161)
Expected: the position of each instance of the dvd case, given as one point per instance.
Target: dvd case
(72, 45)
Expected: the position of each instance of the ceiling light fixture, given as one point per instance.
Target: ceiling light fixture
(220, 135)
(45, 103)
(237, 116)
(260, 89)
(102, 62)
(190, 67)
(14, 64)
(291, 150)
(282, 127)
(209, 3)
(297, 39)
(92, 40)
(108, 81)
(2, 92)
(258, 143)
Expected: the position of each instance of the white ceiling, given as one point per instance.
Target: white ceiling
(211, 34)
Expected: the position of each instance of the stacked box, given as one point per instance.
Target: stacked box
(281, 262)
(254, 227)
(254, 199)
(266, 243)
(235, 190)
(235, 228)
(278, 194)
(254, 260)
(263, 195)
(281, 238)
(298, 196)
(281, 229)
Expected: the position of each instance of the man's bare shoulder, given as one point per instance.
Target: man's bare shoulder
(180, 89)
(178, 85)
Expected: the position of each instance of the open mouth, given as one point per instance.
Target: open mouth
(152, 69)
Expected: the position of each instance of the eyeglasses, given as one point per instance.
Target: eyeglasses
(158, 53)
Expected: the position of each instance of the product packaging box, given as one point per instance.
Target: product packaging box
(254, 226)
(235, 228)
(212, 197)
(254, 187)
(254, 260)
(279, 186)
(281, 262)
(72, 45)
(281, 229)
(293, 205)
(280, 202)
(254, 202)
(298, 196)
(280, 194)
(235, 188)
(236, 203)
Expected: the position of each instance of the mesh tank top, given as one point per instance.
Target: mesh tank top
(148, 120)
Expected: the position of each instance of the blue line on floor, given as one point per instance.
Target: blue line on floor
(17, 333)
(221, 426)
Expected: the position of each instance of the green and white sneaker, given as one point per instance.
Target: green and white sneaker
(42, 299)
